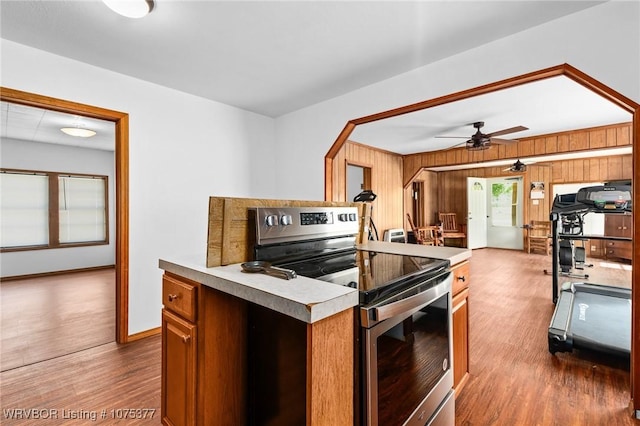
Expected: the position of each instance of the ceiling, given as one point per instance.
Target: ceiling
(39, 125)
(274, 57)
(547, 106)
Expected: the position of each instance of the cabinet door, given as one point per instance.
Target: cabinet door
(618, 225)
(460, 339)
(178, 370)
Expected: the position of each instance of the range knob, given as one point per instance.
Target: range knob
(342, 217)
(286, 220)
(271, 220)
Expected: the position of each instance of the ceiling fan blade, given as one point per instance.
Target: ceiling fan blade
(499, 141)
(510, 130)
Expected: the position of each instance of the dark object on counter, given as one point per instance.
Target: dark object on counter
(265, 267)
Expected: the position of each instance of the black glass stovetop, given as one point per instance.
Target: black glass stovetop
(376, 275)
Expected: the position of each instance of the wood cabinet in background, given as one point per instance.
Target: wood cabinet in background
(460, 309)
(621, 226)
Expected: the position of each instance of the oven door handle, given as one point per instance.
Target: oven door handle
(383, 312)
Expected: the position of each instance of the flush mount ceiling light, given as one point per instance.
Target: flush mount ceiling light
(78, 131)
(130, 8)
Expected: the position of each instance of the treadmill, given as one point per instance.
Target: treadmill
(587, 316)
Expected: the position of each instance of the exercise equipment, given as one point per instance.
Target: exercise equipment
(590, 316)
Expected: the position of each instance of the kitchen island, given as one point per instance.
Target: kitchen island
(208, 342)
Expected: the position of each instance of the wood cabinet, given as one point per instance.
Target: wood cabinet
(203, 346)
(207, 373)
(460, 309)
(179, 354)
(618, 225)
(179, 370)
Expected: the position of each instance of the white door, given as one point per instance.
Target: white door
(505, 201)
(477, 215)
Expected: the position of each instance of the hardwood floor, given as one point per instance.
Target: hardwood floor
(514, 379)
(46, 317)
(109, 379)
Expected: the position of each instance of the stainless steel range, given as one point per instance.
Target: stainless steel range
(404, 324)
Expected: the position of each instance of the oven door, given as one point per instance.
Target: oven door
(407, 373)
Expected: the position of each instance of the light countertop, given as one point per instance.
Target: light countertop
(302, 298)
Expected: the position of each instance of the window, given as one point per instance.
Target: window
(504, 204)
(52, 210)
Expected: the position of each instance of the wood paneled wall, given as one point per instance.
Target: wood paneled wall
(615, 135)
(452, 185)
(429, 211)
(386, 182)
(392, 174)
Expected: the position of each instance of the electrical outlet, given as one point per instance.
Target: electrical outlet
(594, 248)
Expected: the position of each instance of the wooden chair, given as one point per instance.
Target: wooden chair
(425, 235)
(450, 227)
(539, 236)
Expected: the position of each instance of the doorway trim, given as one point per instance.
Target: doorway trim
(366, 176)
(121, 121)
(558, 70)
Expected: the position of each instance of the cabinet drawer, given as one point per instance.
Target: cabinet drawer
(619, 253)
(460, 277)
(623, 245)
(179, 297)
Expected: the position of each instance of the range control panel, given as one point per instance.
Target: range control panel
(282, 224)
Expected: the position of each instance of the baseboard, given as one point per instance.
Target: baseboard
(144, 334)
(53, 273)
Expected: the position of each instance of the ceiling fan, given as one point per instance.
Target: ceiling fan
(518, 166)
(480, 141)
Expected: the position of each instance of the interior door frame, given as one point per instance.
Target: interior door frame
(121, 121)
(367, 171)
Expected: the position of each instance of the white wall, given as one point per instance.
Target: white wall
(25, 155)
(602, 41)
(183, 149)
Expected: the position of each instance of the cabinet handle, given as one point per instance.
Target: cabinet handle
(186, 338)
(461, 278)
(172, 297)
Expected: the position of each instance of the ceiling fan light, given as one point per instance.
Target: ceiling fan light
(78, 132)
(130, 8)
(477, 146)
(518, 166)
